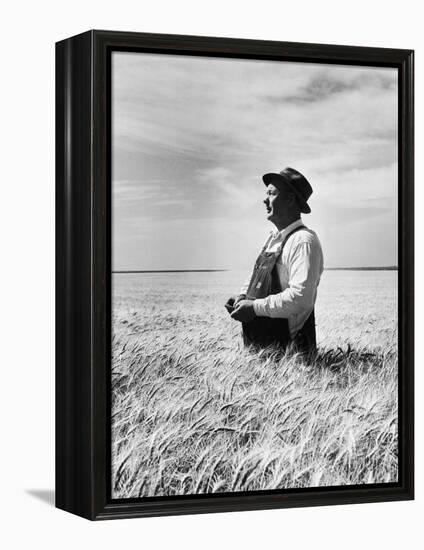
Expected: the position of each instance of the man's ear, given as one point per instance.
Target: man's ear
(292, 199)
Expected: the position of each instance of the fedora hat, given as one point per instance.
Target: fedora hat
(296, 182)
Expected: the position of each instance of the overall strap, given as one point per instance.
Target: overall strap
(261, 282)
(266, 242)
(287, 237)
(275, 280)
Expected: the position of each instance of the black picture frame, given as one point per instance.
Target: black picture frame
(83, 253)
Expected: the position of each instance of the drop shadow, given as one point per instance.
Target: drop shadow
(45, 495)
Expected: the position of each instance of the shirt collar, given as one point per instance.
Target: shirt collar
(284, 232)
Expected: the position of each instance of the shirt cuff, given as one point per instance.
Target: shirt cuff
(259, 307)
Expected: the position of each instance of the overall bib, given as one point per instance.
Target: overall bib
(264, 331)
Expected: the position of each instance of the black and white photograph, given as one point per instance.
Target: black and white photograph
(254, 259)
(212, 234)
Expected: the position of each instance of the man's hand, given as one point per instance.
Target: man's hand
(244, 311)
(239, 298)
(233, 301)
(229, 305)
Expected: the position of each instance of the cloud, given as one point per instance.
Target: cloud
(225, 185)
(322, 86)
(318, 89)
(136, 189)
(335, 213)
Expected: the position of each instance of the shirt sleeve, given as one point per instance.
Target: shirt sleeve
(305, 267)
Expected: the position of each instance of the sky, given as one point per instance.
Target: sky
(192, 137)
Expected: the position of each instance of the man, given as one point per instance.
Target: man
(276, 304)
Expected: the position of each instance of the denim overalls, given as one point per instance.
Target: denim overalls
(263, 331)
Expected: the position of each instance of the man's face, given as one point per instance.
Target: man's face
(278, 202)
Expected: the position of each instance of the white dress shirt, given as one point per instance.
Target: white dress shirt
(299, 269)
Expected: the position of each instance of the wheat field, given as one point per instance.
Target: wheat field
(194, 411)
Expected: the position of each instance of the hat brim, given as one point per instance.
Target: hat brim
(269, 178)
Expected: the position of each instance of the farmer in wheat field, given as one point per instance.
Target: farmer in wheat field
(276, 303)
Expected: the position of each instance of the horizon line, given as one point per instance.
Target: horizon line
(360, 268)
